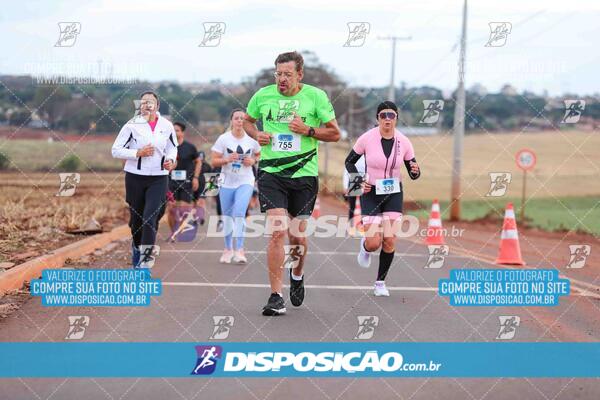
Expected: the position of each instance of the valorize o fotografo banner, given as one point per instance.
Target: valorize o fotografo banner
(504, 287)
(300, 359)
(95, 287)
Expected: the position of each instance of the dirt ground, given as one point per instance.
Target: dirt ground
(34, 220)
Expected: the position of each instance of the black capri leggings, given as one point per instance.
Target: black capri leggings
(351, 200)
(146, 196)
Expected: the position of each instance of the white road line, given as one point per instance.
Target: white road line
(323, 253)
(583, 288)
(331, 287)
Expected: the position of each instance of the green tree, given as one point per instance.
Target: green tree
(52, 100)
(70, 163)
(4, 161)
(20, 117)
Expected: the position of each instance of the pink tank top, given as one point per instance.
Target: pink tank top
(378, 166)
(153, 124)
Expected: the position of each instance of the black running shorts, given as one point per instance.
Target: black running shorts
(375, 204)
(296, 195)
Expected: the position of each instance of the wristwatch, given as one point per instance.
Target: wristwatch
(311, 132)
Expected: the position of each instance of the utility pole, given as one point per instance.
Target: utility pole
(394, 39)
(459, 123)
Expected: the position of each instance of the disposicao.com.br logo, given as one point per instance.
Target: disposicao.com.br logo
(310, 363)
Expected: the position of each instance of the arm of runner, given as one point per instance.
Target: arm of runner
(217, 159)
(412, 168)
(171, 151)
(410, 162)
(355, 154)
(250, 127)
(196, 177)
(217, 154)
(120, 148)
(329, 133)
(250, 161)
(197, 167)
(350, 163)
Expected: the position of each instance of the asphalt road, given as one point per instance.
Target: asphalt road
(196, 288)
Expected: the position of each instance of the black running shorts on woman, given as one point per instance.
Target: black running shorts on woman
(375, 204)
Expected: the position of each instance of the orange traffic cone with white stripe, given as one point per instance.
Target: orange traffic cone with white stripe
(435, 233)
(357, 219)
(317, 209)
(510, 250)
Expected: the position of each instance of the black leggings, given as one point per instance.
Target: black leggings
(147, 197)
(351, 200)
(218, 199)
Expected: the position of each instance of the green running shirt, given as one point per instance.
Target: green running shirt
(289, 154)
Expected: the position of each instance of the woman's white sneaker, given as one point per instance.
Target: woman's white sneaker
(226, 257)
(364, 257)
(380, 289)
(239, 257)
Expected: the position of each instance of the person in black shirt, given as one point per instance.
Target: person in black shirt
(199, 198)
(184, 180)
(217, 170)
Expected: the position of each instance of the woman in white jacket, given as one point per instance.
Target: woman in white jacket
(149, 145)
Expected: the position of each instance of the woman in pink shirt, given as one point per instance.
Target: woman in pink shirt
(385, 149)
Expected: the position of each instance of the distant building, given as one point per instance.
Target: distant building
(37, 122)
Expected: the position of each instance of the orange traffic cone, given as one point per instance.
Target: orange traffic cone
(510, 250)
(357, 219)
(435, 233)
(359, 228)
(317, 210)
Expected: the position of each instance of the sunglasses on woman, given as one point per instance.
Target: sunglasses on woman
(387, 115)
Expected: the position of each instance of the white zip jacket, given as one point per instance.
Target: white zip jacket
(136, 134)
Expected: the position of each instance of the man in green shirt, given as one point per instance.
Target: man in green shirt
(292, 115)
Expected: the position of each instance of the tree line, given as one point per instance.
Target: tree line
(103, 109)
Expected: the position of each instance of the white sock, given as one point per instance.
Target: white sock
(297, 278)
(364, 249)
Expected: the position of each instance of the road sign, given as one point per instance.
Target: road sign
(526, 159)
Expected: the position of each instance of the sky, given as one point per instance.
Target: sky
(553, 45)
